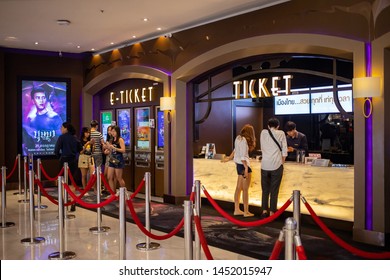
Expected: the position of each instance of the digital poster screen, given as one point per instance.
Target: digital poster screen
(142, 128)
(323, 102)
(106, 121)
(160, 129)
(292, 104)
(44, 107)
(123, 121)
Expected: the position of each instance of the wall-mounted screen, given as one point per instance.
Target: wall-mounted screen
(160, 129)
(323, 102)
(124, 123)
(44, 107)
(105, 121)
(292, 104)
(142, 116)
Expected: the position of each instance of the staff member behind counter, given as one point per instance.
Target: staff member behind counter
(295, 141)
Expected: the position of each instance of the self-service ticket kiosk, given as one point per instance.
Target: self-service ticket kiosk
(159, 152)
(124, 121)
(142, 145)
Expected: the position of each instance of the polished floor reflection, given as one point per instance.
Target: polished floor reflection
(78, 238)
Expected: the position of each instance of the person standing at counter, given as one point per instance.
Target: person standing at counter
(244, 143)
(273, 146)
(296, 141)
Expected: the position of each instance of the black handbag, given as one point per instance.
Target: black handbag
(113, 160)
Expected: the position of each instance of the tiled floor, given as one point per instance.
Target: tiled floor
(78, 238)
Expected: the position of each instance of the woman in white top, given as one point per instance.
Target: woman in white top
(244, 143)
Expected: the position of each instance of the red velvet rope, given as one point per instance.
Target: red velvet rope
(148, 233)
(140, 186)
(106, 184)
(47, 176)
(53, 200)
(203, 241)
(301, 253)
(247, 224)
(276, 250)
(73, 182)
(340, 242)
(44, 192)
(87, 205)
(13, 169)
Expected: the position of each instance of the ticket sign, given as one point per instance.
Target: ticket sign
(292, 104)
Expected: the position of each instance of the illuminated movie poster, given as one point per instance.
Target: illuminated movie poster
(160, 129)
(143, 129)
(123, 119)
(106, 121)
(44, 109)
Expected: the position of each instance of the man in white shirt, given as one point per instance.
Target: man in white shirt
(274, 153)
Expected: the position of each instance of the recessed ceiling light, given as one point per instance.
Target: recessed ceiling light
(145, 19)
(78, 47)
(134, 36)
(92, 49)
(112, 43)
(36, 43)
(159, 28)
(63, 22)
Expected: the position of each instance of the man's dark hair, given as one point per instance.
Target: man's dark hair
(38, 89)
(94, 123)
(290, 126)
(69, 127)
(273, 122)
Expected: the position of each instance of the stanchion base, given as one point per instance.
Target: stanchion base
(7, 224)
(32, 241)
(68, 217)
(16, 193)
(67, 255)
(99, 230)
(24, 201)
(152, 246)
(41, 207)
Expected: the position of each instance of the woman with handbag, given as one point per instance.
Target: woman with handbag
(86, 162)
(116, 161)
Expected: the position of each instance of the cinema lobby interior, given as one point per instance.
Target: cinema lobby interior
(180, 80)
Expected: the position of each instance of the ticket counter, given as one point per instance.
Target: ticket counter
(329, 190)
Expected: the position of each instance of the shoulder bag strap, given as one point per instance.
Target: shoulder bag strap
(273, 138)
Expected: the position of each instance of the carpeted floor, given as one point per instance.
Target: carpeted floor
(255, 242)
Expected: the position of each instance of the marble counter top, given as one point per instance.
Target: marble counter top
(329, 190)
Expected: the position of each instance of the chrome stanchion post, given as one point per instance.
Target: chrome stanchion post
(19, 177)
(39, 195)
(4, 224)
(122, 223)
(289, 233)
(297, 209)
(25, 200)
(62, 254)
(188, 245)
(66, 173)
(32, 240)
(198, 204)
(99, 228)
(146, 246)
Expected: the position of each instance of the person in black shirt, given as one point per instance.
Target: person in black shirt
(296, 141)
(66, 149)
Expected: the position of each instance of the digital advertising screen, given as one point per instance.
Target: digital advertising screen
(323, 102)
(123, 121)
(142, 128)
(292, 104)
(44, 107)
(106, 121)
(160, 129)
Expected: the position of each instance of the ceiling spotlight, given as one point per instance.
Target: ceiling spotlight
(168, 35)
(63, 22)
